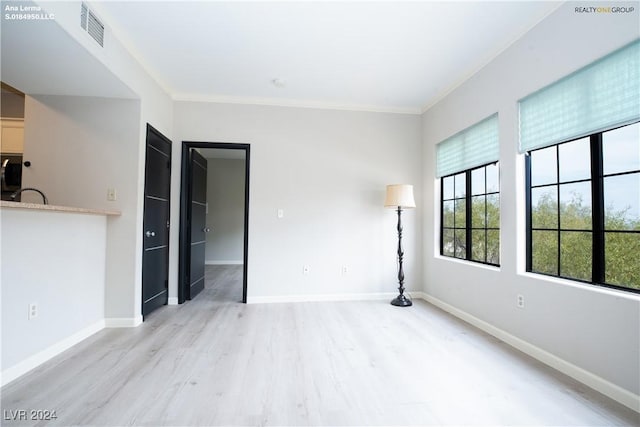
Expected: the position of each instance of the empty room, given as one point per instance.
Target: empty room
(320, 213)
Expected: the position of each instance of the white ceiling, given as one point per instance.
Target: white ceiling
(388, 56)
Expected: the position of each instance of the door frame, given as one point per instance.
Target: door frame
(185, 173)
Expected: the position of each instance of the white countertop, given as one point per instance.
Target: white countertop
(41, 207)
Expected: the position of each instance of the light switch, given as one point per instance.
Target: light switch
(112, 195)
(280, 213)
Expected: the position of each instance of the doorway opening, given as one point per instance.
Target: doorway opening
(210, 228)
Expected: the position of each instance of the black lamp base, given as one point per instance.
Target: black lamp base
(401, 301)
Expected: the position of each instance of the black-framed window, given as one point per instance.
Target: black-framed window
(470, 215)
(583, 209)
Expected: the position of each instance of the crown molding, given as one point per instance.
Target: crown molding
(296, 103)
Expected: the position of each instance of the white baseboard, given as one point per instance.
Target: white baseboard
(327, 297)
(223, 262)
(39, 358)
(605, 387)
(123, 322)
(172, 301)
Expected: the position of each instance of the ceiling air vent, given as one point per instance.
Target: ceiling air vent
(91, 24)
(83, 16)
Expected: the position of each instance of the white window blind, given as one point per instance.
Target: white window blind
(603, 95)
(477, 145)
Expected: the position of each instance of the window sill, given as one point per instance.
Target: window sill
(468, 263)
(583, 286)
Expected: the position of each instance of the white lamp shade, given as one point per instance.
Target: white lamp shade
(399, 196)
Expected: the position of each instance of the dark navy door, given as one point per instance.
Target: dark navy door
(198, 228)
(155, 257)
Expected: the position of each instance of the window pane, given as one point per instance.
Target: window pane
(460, 244)
(544, 207)
(493, 179)
(478, 245)
(447, 242)
(493, 211)
(544, 166)
(493, 246)
(461, 213)
(477, 212)
(447, 188)
(461, 185)
(447, 213)
(575, 206)
(544, 253)
(575, 160)
(477, 181)
(621, 149)
(575, 255)
(622, 266)
(622, 202)
(461, 220)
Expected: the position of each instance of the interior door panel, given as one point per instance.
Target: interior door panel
(155, 257)
(198, 228)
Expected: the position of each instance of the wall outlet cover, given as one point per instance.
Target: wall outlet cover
(33, 310)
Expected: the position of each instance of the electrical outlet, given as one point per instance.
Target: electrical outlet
(280, 213)
(344, 270)
(33, 310)
(305, 269)
(112, 195)
(520, 301)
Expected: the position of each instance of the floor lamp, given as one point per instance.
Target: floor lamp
(400, 196)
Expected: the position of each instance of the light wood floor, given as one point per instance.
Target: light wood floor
(211, 362)
(223, 283)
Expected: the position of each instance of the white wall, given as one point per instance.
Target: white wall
(124, 285)
(225, 199)
(79, 147)
(595, 329)
(56, 260)
(327, 170)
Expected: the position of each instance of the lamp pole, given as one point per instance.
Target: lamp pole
(400, 196)
(400, 300)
